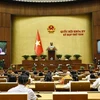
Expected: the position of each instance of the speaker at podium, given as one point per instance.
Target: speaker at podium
(51, 51)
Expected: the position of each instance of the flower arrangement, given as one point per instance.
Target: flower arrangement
(33, 68)
(91, 67)
(81, 67)
(33, 57)
(58, 56)
(45, 68)
(21, 68)
(10, 68)
(69, 67)
(67, 56)
(25, 57)
(1, 68)
(77, 56)
(59, 67)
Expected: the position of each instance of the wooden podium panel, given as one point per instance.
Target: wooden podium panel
(51, 64)
(51, 54)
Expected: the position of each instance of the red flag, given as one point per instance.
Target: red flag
(38, 45)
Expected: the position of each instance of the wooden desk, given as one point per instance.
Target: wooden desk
(49, 96)
(13, 96)
(46, 96)
(93, 95)
(33, 82)
(58, 87)
(32, 85)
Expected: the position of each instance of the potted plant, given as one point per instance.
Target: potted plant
(33, 57)
(10, 70)
(82, 68)
(45, 68)
(58, 56)
(25, 57)
(22, 68)
(91, 67)
(1, 71)
(77, 56)
(1, 68)
(67, 56)
(69, 67)
(59, 67)
(33, 68)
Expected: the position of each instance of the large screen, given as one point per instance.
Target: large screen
(3, 47)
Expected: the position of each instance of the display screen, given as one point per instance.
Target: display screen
(3, 47)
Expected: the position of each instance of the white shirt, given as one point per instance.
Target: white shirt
(96, 84)
(88, 77)
(22, 88)
(68, 85)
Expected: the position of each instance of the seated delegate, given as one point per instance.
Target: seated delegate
(96, 84)
(22, 82)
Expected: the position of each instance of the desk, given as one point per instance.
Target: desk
(49, 96)
(46, 96)
(33, 82)
(58, 87)
(93, 95)
(32, 85)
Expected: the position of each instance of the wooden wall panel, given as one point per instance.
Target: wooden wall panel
(96, 32)
(49, 9)
(7, 34)
(96, 18)
(1, 33)
(1, 19)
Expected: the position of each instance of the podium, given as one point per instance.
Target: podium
(51, 54)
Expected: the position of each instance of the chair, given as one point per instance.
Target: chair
(80, 86)
(5, 86)
(70, 96)
(56, 78)
(45, 86)
(13, 96)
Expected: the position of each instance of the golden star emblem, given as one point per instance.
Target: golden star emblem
(37, 43)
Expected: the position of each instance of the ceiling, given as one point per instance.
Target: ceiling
(44, 1)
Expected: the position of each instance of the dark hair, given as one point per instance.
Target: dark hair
(12, 78)
(35, 72)
(91, 71)
(40, 73)
(98, 73)
(27, 73)
(75, 77)
(48, 76)
(92, 76)
(73, 72)
(23, 79)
